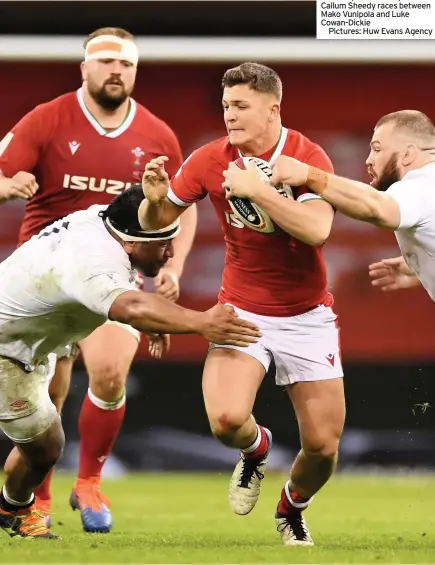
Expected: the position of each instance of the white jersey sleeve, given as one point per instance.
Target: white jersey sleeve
(411, 197)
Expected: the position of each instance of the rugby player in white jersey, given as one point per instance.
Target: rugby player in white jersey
(57, 288)
(401, 197)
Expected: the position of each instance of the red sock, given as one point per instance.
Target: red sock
(43, 491)
(260, 446)
(285, 506)
(99, 425)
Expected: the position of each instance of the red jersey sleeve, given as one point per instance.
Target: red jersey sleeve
(22, 146)
(317, 158)
(188, 185)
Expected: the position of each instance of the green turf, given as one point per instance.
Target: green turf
(186, 519)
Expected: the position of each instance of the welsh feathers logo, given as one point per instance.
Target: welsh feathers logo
(138, 152)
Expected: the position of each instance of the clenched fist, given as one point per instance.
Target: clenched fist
(22, 185)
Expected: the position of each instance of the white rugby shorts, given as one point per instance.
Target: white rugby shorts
(304, 347)
(21, 391)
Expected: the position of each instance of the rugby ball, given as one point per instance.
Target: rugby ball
(249, 213)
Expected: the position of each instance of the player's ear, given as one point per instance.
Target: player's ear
(128, 246)
(83, 70)
(409, 155)
(274, 112)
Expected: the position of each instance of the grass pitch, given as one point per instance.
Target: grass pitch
(185, 518)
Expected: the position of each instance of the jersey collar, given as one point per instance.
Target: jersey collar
(96, 124)
(276, 151)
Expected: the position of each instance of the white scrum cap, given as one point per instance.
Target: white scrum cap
(112, 47)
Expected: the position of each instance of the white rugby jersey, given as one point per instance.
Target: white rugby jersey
(59, 286)
(415, 195)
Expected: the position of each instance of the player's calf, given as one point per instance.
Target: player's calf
(249, 472)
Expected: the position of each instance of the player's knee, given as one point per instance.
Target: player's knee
(46, 450)
(108, 381)
(226, 424)
(324, 447)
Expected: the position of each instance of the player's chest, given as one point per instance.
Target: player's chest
(89, 154)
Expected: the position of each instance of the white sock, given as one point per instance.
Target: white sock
(300, 505)
(10, 500)
(254, 445)
(103, 404)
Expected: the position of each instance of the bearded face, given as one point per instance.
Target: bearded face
(110, 82)
(388, 175)
(111, 94)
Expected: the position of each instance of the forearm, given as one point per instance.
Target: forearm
(157, 216)
(152, 313)
(353, 198)
(183, 242)
(296, 218)
(414, 281)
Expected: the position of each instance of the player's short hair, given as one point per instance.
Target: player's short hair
(413, 122)
(258, 77)
(116, 31)
(123, 210)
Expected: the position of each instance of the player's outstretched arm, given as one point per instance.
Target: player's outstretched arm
(157, 211)
(353, 198)
(393, 274)
(152, 313)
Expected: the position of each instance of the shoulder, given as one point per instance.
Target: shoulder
(49, 113)
(57, 104)
(208, 155)
(216, 150)
(304, 149)
(147, 118)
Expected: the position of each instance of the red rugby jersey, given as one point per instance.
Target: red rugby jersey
(76, 161)
(268, 274)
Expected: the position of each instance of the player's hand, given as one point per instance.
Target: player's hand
(245, 183)
(289, 171)
(22, 185)
(158, 345)
(155, 180)
(392, 274)
(222, 325)
(167, 284)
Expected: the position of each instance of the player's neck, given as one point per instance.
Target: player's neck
(262, 145)
(108, 119)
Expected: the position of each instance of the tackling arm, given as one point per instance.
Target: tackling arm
(152, 313)
(355, 199)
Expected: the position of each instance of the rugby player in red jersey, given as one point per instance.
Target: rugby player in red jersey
(276, 280)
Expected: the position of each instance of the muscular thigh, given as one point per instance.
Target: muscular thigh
(320, 411)
(230, 382)
(110, 348)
